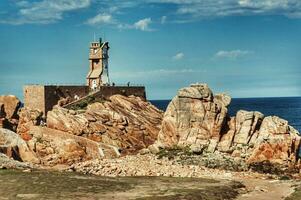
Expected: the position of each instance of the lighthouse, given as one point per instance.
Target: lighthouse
(98, 65)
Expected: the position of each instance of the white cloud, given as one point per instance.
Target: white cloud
(178, 56)
(45, 11)
(143, 24)
(234, 54)
(100, 19)
(50, 11)
(216, 8)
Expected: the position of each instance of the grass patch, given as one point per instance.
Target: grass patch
(82, 105)
(296, 195)
(174, 152)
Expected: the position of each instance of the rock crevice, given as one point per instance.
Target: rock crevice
(197, 119)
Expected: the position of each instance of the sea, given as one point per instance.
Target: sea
(288, 108)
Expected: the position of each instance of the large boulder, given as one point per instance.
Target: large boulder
(55, 147)
(13, 146)
(2, 115)
(129, 123)
(2, 111)
(11, 105)
(9, 163)
(197, 119)
(276, 142)
(247, 123)
(194, 117)
(27, 119)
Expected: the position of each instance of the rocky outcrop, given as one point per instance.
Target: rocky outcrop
(2, 115)
(9, 106)
(276, 142)
(27, 119)
(49, 147)
(197, 119)
(128, 123)
(9, 163)
(55, 147)
(194, 117)
(14, 147)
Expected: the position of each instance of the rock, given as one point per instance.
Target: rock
(225, 99)
(28, 118)
(246, 125)
(154, 149)
(277, 142)
(9, 163)
(192, 117)
(60, 118)
(13, 146)
(97, 106)
(197, 119)
(11, 105)
(55, 147)
(2, 111)
(144, 151)
(196, 91)
(196, 149)
(226, 140)
(127, 122)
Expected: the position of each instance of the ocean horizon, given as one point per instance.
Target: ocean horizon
(288, 108)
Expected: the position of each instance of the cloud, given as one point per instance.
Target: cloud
(45, 11)
(178, 56)
(198, 9)
(101, 19)
(50, 11)
(234, 54)
(143, 24)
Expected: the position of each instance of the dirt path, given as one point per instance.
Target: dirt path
(261, 189)
(258, 186)
(55, 186)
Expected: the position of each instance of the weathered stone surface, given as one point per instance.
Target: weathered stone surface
(2, 111)
(197, 119)
(27, 119)
(246, 125)
(226, 140)
(9, 163)
(276, 142)
(129, 123)
(193, 117)
(2, 115)
(223, 98)
(13, 146)
(196, 91)
(57, 147)
(11, 105)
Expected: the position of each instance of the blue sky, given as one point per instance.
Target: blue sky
(247, 48)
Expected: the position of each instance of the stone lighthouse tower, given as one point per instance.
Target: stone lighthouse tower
(98, 65)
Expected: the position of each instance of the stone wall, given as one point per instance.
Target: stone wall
(34, 97)
(45, 97)
(54, 93)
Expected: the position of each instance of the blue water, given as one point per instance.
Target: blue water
(288, 108)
